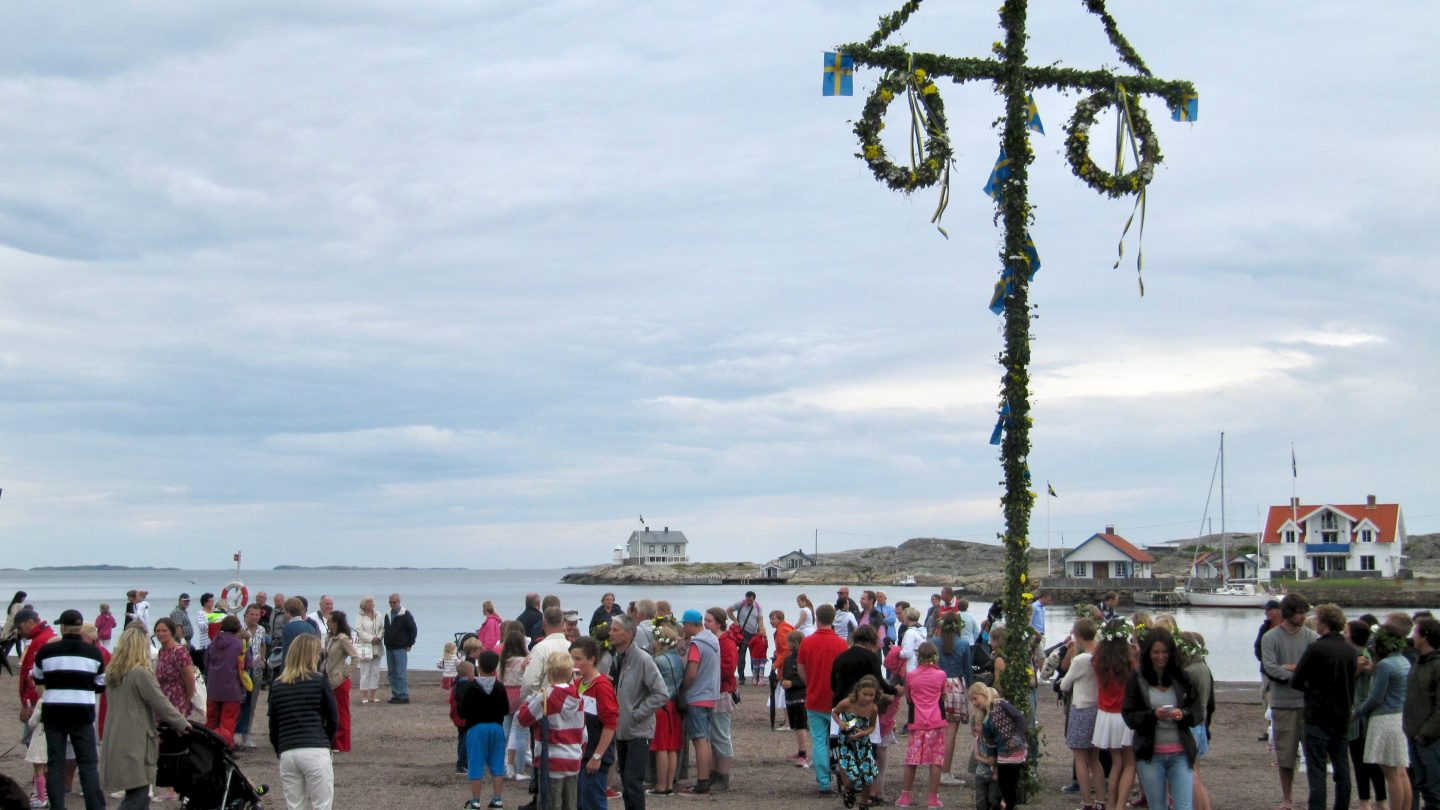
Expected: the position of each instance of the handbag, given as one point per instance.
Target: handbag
(366, 652)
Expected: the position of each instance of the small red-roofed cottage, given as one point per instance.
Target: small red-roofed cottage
(1334, 540)
(1107, 555)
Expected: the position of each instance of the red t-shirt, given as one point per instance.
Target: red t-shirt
(1112, 695)
(817, 655)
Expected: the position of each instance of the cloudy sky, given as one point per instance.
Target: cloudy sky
(442, 283)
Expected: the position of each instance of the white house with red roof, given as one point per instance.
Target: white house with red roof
(1107, 555)
(1335, 540)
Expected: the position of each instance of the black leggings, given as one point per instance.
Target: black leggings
(1008, 775)
(1366, 773)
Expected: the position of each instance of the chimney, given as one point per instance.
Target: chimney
(667, 529)
(1294, 503)
(1369, 501)
(647, 529)
(1109, 529)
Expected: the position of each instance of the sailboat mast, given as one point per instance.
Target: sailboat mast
(1224, 553)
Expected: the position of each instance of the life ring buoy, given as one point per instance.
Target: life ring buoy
(228, 597)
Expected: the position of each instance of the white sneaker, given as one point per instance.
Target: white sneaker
(950, 779)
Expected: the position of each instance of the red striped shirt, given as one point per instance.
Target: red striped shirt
(565, 715)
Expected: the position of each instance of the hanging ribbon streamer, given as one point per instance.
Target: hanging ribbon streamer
(921, 124)
(1125, 131)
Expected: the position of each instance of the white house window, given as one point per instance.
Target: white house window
(1329, 525)
(664, 549)
(1122, 570)
(1367, 563)
(1289, 563)
(1290, 536)
(1367, 536)
(651, 549)
(1079, 569)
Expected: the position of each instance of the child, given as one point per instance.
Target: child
(1112, 663)
(924, 685)
(858, 719)
(1004, 733)
(759, 646)
(105, 625)
(464, 675)
(512, 670)
(446, 665)
(558, 705)
(889, 707)
(987, 790)
(794, 687)
(36, 755)
(777, 664)
(484, 705)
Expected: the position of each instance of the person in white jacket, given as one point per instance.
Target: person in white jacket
(1084, 691)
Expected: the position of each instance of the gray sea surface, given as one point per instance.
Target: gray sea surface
(446, 602)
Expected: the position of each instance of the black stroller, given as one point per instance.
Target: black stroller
(202, 770)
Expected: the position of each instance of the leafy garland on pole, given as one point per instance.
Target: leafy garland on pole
(931, 157)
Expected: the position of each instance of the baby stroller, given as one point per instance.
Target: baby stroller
(202, 770)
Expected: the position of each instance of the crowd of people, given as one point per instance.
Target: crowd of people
(645, 698)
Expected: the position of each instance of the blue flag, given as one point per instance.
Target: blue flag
(1033, 119)
(997, 174)
(1005, 287)
(1189, 109)
(1052, 490)
(1000, 424)
(839, 75)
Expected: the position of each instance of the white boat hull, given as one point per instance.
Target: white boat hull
(1229, 600)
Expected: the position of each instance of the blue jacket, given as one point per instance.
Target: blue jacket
(1387, 689)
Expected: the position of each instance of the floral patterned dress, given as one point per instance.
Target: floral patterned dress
(169, 671)
(856, 757)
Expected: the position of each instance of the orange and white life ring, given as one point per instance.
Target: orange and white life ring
(234, 597)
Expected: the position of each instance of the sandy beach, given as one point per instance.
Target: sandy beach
(404, 757)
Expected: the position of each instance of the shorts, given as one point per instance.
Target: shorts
(1080, 734)
(1202, 741)
(927, 747)
(797, 717)
(1289, 727)
(668, 729)
(485, 745)
(697, 722)
(720, 735)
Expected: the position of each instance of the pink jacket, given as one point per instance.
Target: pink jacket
(924, 687)
(489, 632)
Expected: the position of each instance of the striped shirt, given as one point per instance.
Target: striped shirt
(562, 708)
(73, 676)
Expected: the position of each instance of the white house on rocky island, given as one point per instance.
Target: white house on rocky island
(1107, 555)
(1335, 540)
(654, 548)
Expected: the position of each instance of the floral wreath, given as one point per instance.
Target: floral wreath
(952, 621)
(664, 621)
(1077, 145)
(1386, 642)
(932, 163)
(1121, 632)
(601, 634)
(1190, 651)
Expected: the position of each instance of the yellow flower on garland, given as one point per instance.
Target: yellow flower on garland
(929, 88)
(887, 96)
(871, 152)
(919, 74)
(1023, 579)
(1028, 597)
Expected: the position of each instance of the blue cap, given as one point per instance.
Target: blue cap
(692, 616)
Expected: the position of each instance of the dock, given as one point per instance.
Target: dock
(1159, 599)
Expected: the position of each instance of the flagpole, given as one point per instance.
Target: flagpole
(1294, 504)
(1047, 529)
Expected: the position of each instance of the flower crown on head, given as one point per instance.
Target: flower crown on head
(1190, 650)
(952, 621)
(1121, 632)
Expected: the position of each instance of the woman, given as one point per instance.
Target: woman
(174, 668)
(7, 635)
(1079, 682)
(806, 622)
(1197, 669)
(668, 738)
(303, 719)
(1385, 741)
(512, 674)
(603, 614)
(225, 661)
(489, 631)
(1113, 663)
(131, 597)
(340, 655)
(369, 634)
(1368, 775)
(845, 621)
(255, 639)
(130, 749)
(1160, 707)
(954, 662)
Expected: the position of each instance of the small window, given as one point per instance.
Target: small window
(1367, 563)
(1329, 521)
(1290, 536)
(1367, 536)
(1079, 569)
(1122, 570)
(664, 549)
(1289, 564)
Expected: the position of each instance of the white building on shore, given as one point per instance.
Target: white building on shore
(648, 547)
(1334, 540)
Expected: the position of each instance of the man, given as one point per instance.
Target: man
(871, 615)
(200, 640)
(641, 692)
(278, 618)
(1280, 651)
(969, 633)
(142, 608)
(265, 609)
(294, 626)
(816, 661)
(530, 617)
(1037, 617)
(72, 670)
(1109, 602)
(36, 634)
(888, 611)
(644, 631)
(321, 619)
(572, 625)
(181, 616)
(748, 615)
(1272, 620)
(1326, 674)
(603, 614)
(1421, 715)
(701, 687)
(400, 633)
(844, 593)
(863, 658)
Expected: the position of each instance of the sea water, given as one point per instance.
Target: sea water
(446, 602)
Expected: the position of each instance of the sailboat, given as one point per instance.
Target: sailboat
(1229, 594)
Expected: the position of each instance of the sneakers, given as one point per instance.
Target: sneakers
(654, 792)
(399, 700)
(696, 790)
(935, 801)
(904, 800)
(612, 793)
(462, 769)
(719, 782)
(474, 804)
(1073, 787)
(950, 779)
(496, 803)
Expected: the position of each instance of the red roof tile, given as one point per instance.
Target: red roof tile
(1124, 546)
(1385, 516)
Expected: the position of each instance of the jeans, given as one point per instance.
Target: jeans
(593, 785)
(820, 746)
(1172, 770)
(1322, 745)
(247, 710)
(87, 761)
(395, 663)
(308, 777)
(462, 756)
(632, 757)
(1425, 762)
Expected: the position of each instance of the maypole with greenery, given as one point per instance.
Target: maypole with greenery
(915, 74)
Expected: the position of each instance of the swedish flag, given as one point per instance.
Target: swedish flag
(839, 75)
(1032, 120)
(1000, 424)
(1005, 287)
(1051, 489)
(998, 174)
(1189, 109)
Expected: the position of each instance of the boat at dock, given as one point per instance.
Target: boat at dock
(1231, 593)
